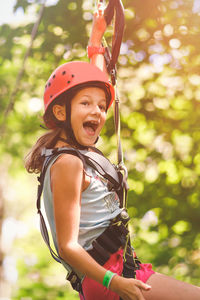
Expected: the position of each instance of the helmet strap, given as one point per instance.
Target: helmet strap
(68, 129)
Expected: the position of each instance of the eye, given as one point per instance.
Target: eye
(85, 103)
(102, 107)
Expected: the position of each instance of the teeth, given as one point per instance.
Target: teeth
(90, 124)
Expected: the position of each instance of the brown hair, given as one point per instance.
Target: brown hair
(34, 161)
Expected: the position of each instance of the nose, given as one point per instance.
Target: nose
(96, 110)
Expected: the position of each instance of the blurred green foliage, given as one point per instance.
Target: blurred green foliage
(158, 80)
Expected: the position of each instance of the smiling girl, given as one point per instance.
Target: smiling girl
(79, 203)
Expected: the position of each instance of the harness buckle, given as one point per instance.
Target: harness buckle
(75, 281)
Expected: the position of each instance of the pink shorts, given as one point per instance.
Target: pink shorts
(94, 290)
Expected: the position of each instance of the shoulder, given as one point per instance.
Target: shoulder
(68, 160)
(67, 164)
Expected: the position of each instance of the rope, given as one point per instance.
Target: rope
(11, 103)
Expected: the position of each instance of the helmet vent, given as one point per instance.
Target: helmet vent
(73, 75)
(54, 76)
(64, 72)
(68, 81)
(49, 83)
(51, 96)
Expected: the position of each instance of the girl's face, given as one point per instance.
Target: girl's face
(88, 114)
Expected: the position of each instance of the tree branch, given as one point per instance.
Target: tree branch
(11, 103)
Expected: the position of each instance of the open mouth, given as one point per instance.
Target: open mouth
(91, 126)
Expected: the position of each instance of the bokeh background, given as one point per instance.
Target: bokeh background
(159, 87)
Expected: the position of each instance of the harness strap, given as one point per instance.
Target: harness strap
(114, 7)
(45, 236)
(101, 164)
(95, 159)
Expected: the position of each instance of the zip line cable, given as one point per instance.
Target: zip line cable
(11, 103)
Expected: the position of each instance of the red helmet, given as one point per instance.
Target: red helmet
(73, 74)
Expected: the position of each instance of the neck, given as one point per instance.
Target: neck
(63, 142)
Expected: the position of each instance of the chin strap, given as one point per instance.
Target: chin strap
(67, 127)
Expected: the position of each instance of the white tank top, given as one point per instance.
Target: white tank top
(98, 207)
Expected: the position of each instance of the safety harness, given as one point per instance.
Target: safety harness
(116, 235)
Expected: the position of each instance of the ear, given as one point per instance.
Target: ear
(59, 112)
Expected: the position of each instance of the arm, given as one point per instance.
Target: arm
(98, 28)
(67, 180)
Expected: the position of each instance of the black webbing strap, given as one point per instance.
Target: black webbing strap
(114, 9)
(94, 159)
(100, 163)
(45, 236)
(43, 227)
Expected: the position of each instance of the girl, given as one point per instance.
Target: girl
(79, 203)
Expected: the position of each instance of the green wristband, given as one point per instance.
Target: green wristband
(107, 278)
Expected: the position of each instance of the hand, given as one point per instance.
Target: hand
(128, 288)
(99, 25)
